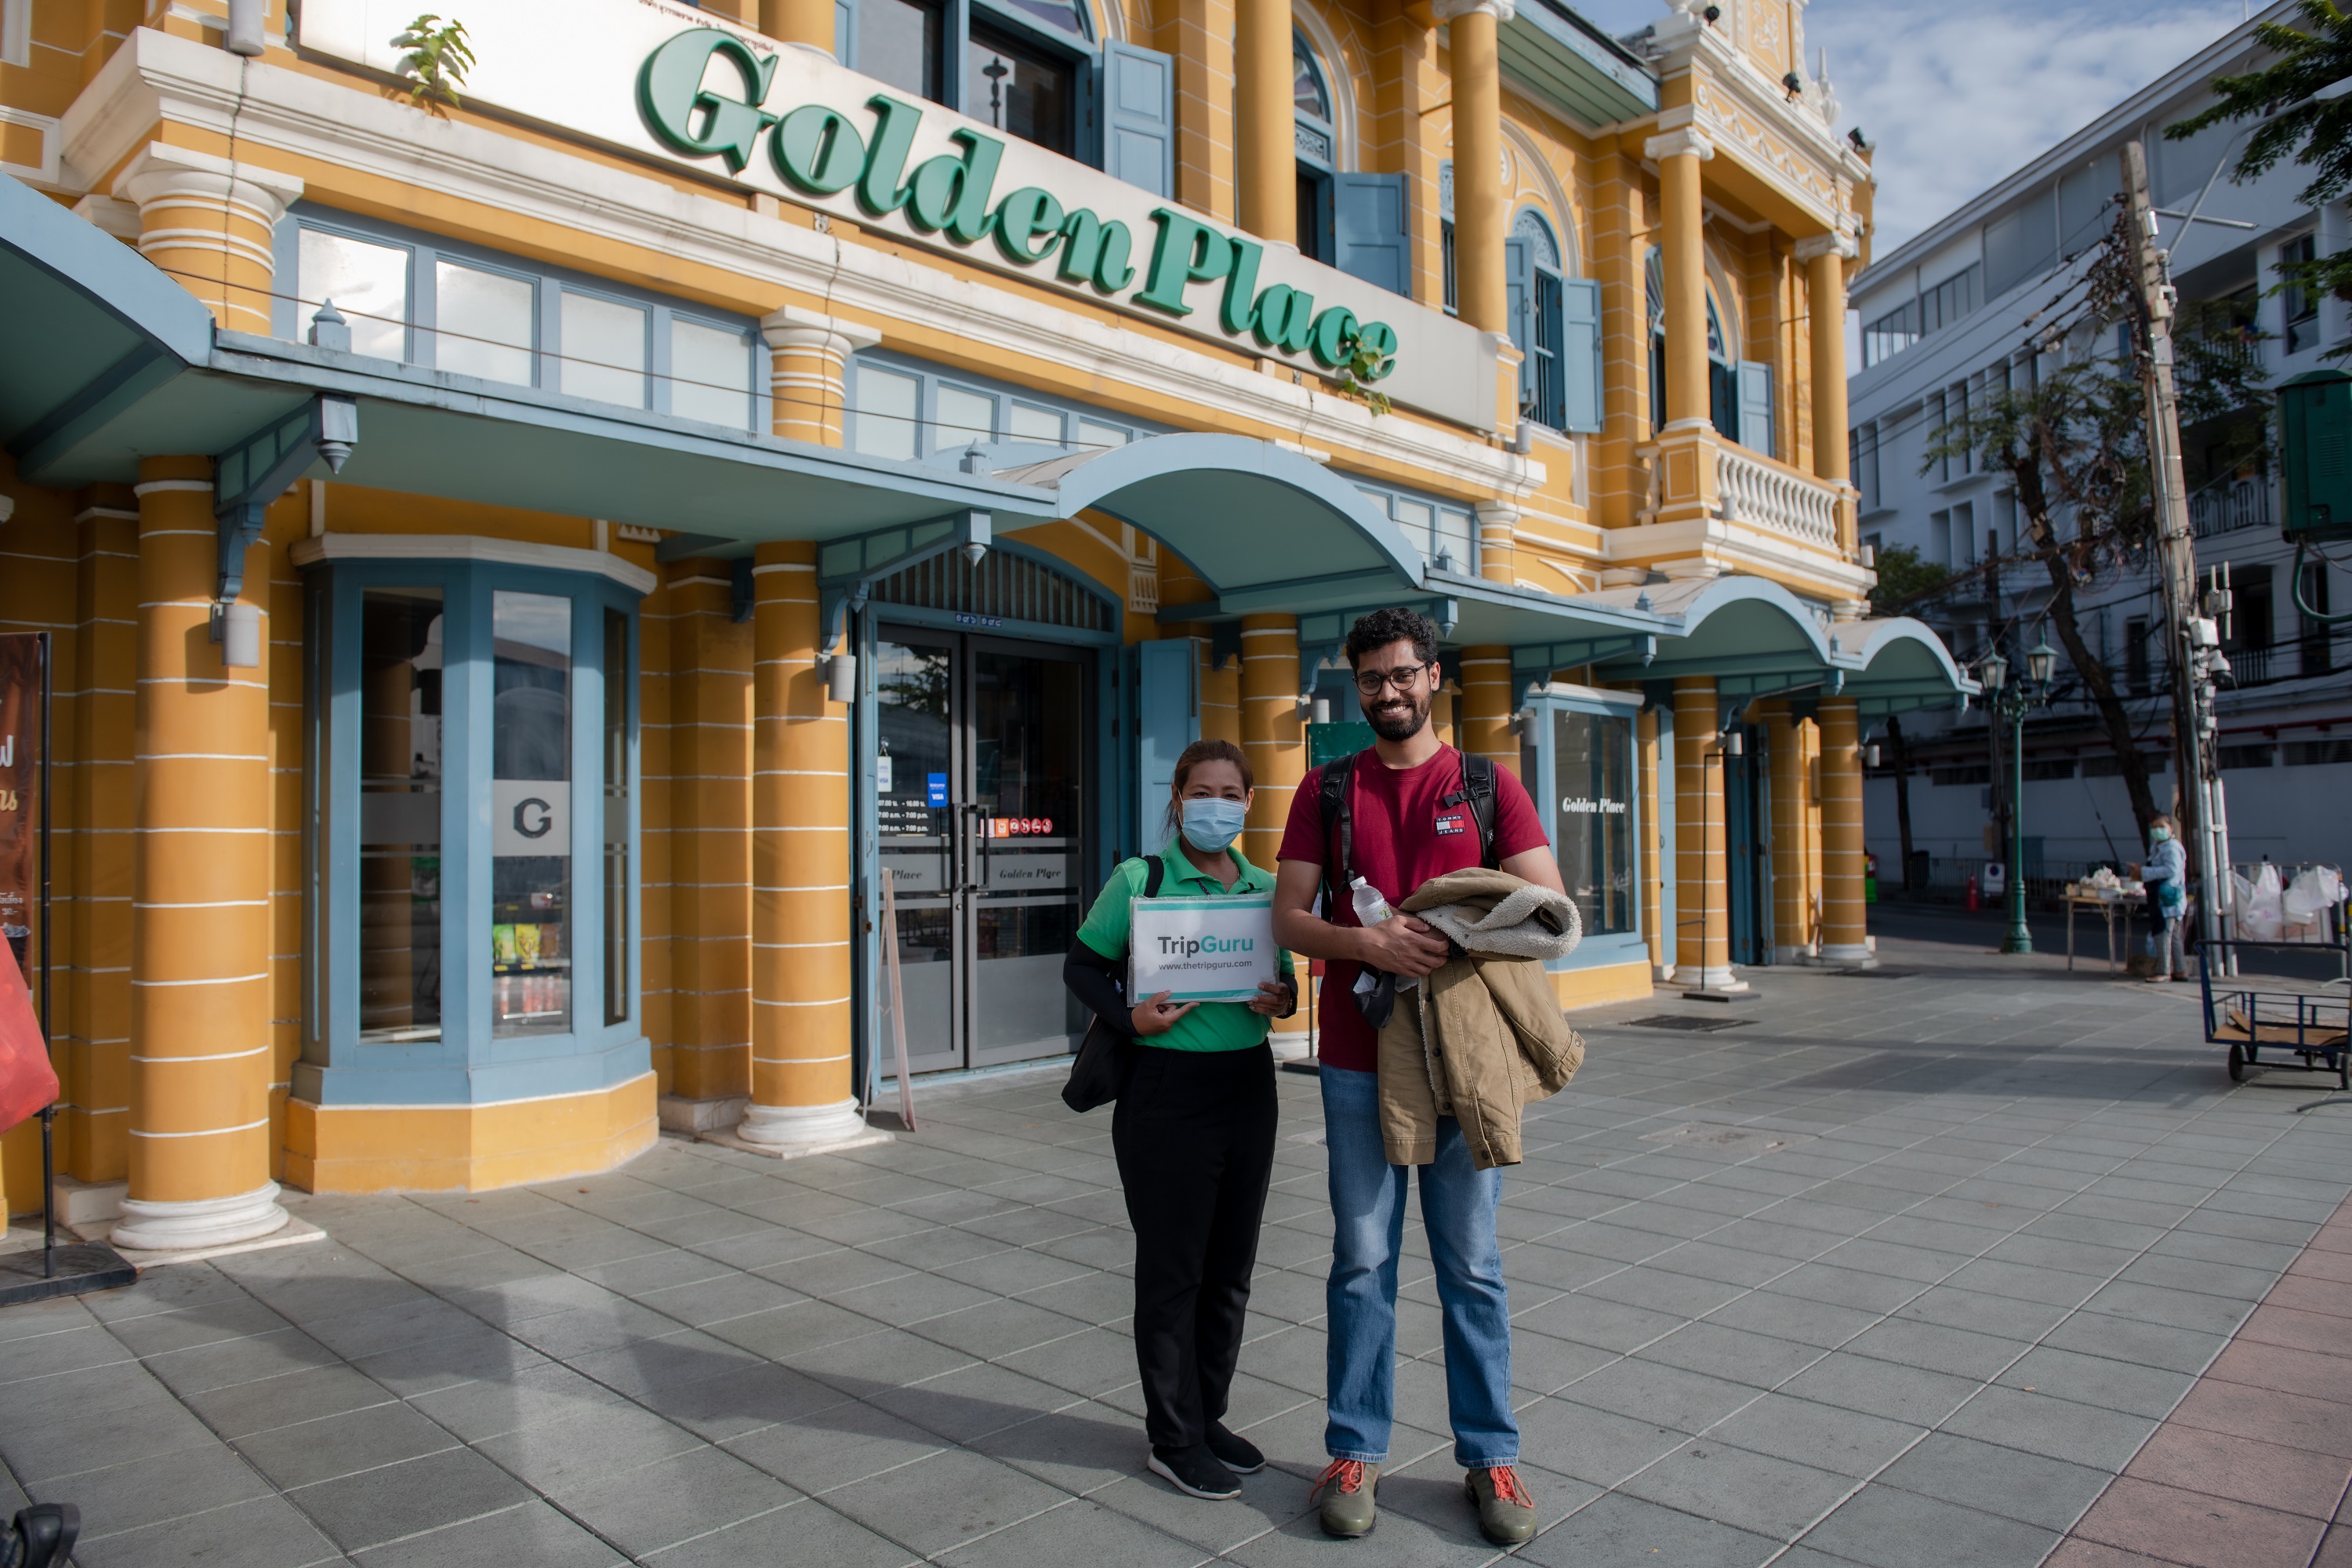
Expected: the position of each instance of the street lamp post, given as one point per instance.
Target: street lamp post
(2011, 701)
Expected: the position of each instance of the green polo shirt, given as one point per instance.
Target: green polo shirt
(1212, 1025)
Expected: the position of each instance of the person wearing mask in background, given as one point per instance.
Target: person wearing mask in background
(1408, 803)
(1193, 1132)
(2166, 873)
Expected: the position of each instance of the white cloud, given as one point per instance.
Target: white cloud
(1954, 97)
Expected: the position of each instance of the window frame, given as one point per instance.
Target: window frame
(462, 1065)
(1083, 50)
(929, 379)
(290, 317)
(1603, 949)
(1317, 237)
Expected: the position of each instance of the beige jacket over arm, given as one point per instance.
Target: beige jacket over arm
(1484, 1035)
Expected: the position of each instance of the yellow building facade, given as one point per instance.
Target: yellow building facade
(532, 560)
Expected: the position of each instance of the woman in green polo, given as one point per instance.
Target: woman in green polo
(1193, 1131)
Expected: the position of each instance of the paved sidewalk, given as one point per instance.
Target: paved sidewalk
(1900, 1269)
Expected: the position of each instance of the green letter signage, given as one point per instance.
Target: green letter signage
(819, 151)
(671, 94)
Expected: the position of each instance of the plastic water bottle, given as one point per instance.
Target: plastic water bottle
(1371, 909)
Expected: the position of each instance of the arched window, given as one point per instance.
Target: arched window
(1319, 148)
(1723, 372)
(1556, 325)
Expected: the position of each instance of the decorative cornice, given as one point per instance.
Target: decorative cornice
(1840, 244)
(796, 326)
(154, 76)
(1688, 141)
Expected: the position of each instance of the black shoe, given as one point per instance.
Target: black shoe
(1234, 1451)
(1195, 1472)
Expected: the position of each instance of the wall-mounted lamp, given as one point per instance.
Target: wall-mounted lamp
(1523, 722)
(841, 678)
(1794, 85)
(238, 628)
(1870, 558)
(1735, 743)
(1322, 710)
(1870, 756)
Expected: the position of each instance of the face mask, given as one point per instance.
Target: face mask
(2158, 835)
(1209, 825)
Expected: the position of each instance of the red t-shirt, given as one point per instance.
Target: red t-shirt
(1403, 836)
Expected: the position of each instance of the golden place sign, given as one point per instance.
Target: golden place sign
(671, 83)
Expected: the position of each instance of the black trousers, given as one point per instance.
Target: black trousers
(1195, 1137)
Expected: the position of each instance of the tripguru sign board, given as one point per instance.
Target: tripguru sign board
(678, 85)
(1200, 949)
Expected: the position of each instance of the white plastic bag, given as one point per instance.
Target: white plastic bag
(2266, 915)
(2303, 906)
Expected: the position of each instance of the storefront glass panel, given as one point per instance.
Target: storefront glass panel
(399, 815)
(1593, 762)
(530, 814)
(620, 930)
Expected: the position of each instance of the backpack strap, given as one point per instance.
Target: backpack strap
(1478, 791)
(1339, 828)
(1155, 870)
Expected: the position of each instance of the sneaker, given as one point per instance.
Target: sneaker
(1234, 1451)
(1195, 1472)
(1507, 1514)
(1347, 1487)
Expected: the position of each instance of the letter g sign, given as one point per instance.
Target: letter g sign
(532, 817)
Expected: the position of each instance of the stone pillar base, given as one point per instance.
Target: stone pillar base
(681, 1114)
(1724, 978)
(150, 1225)
(789, 1130)
(1850, 954)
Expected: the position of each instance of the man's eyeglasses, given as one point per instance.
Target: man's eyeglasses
(1370, 681)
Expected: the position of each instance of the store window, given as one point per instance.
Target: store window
(422, 300)
(901, 409)
(1577, 758)
(479, 902)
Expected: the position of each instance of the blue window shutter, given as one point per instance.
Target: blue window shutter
(1756, 422)
(1579, 367)
(1167, 720)
(1368, 229)
(1519, 299)
(1139, 119)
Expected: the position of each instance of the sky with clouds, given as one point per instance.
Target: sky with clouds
(1956, 93)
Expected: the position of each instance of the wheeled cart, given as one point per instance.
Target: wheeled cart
(2302, 1025)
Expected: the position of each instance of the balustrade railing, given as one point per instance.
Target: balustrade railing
(1780, 500)
(2230, 505)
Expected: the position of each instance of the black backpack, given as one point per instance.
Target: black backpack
(1477, 791)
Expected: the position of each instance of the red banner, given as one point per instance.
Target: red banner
(20, 781)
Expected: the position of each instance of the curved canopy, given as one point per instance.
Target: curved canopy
(1900, 665)
(1259, 523)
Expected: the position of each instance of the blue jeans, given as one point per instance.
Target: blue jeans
(1457, 1209)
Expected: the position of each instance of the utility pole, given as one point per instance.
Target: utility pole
(2194, 642)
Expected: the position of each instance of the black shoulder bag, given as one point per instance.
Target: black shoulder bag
(1106, 1058)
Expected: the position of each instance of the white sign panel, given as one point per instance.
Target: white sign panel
(1201, 949)
(689, 89)
(531, 817)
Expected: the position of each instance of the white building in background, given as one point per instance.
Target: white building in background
(1948, 314)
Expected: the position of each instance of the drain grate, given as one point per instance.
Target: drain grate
(1722, 1139)
(1686, 1023)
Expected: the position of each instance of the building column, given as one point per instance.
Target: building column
(1274, 738)
(200, 980)
(1485, 710)
(1678, 154)
(808, 22)
(1206, 165)
(801, 988)
(1824, 258)
(1265, 135)
(1845, 924)
(709, 850)
(1498, 540)
(1645, 763)
(1792, 887)
(1481, 206)
(807, 356)
(209, 225)
(1702, 911)
(94, 919)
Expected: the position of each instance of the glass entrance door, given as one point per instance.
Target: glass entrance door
(980, 787)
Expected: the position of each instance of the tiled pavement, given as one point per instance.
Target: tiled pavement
(1988, 1226)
